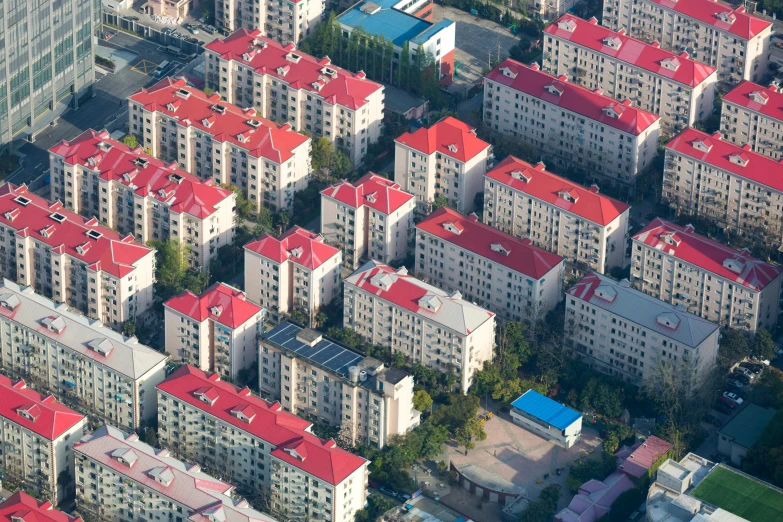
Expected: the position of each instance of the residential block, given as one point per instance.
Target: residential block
(753, 115)
(289, 22)
(21, 502)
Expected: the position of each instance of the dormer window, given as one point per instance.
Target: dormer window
(453, 148)
(57, 217)
(521, 175)
(94, 234)
(283, 70)
(383, 281)
(245, 413)
(613, 110)
(9, 301)
(242, 138)
(672, 239)
(216, 310)
(735, 265)
(669, 320)
(105, 147)
(613, 41)
(759, 97)
(293, 57)
(254, 123)
(371, 197)
(126, 456)
(141, 163)
(671, 63)
(453, 227)
(30, 412)
(22, 200)
(508, 73)
(739, 159)
(703, 145)
(55, 324)
(162, 475)
(727, 17)
(183, 93)
(101, 346)
(83, 249)
(502, 247)
(328, 71)
(220, 109)
(557, 90)
(47, 232)
(299, 453)
(567, 25)
(430, 302)
(296, 252)
(176, 178)
(606, 292)
(12, 214)
(569, 195)
(207, 395)
(172, 107)
(207, 122)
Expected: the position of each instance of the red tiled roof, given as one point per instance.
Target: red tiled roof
(298, 245)
(587, 33)
(50, 418)
(575, 98)
(479, 238)
(444, 136)
(191, 107)
(639, 458)
(541, 184)
(115, 161)
(110, 253)
(231, 304)
(20, 505)
(372, 190)
(741, 95)
(267, 56)
(758, 168)
(708, 254)
(744, 25)
(284, 430)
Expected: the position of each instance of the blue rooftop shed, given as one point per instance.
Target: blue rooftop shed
(547, 418)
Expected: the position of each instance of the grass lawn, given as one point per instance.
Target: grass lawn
(740, 495)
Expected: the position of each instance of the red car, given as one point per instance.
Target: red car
(728, 402)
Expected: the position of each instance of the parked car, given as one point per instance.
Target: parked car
(741, 377)
(733, 397)
(735, 384)
(722, 408)
(737, 392)
(754, 368)
(728, 402)
(404, 497)
(712, 419)
(387, 491)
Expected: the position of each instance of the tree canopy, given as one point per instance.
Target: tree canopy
(171, 271)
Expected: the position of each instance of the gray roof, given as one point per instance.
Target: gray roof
(746, 427)
(646, 311)
(81, 334)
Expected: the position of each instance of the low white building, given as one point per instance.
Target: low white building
(300, 367)
(547, 418)
(430, 327)
(753, 115)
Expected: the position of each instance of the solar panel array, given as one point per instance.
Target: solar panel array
(326, 353)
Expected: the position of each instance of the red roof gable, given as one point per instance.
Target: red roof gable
(639, 458)
(542, 184)
(449, 136)
(298, 245)
(708, 254)
(744, 25)
(372, 190)
(231, 304)
(284, 430)
(744, 94)
(575, 98)
(717, 152)
(44, 415)
(242, 128)
(134, 168)
(645, 56)
(103, 249)
(21, 505)
(518, 254)
(267, 56)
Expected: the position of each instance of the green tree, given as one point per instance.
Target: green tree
(733, 347)
(544, 508)
(322, 155)
(404, 67)
(768, 390)
(397, 359)
(341, 164)
(131, 141)
(422, 400)
(171, 265)
(470, 431)
(377, 505)
(244, 207)
(440, 201)
(762, 345)
(128, 328)
(208, 91)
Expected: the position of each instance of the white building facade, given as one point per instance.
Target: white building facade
(753, 115)
(288, 22)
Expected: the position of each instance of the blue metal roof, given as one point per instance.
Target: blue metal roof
(395, 25)
(545, 409)
(426, 35)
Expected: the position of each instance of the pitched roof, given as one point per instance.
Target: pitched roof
(636, 460)
(269, 422)
(546, 409)
(710, 12)
(144, 174)
(765, 100)
(22, 506)
(733, 265)
(185, 484)
(404, 290)
(650, 57)
(746, 427)
(220, 302)
(372, 190)
(490, 243)
(78, 237)
(190, 107)
(541, 184)
(595, 498)
(31, 410)
(449, 136)
(639, 308)
(575, 98)
(298, 245)
(724, 155)
(299, 70)
(85, 336)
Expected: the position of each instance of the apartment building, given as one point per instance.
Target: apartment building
(287, 22)
(318, 378)
(217, 140)
(118, 477)
(298, 271)
(262, 447)
(729, 184)
(548, 9)
(492, 269)
(584, 226)
(625, 333)
(446, 160)
(20, 503)
(727, 38)
(47, 63)
(38, 434)
(72, 259)
(216, 331)
(429, 326)
(289, 86)
(753, 115)
(680, 90)
(709, 279)
(134, 193)
(77, 359)
(572, 125)
(369, 219)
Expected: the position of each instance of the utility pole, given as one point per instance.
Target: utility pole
(489, 59)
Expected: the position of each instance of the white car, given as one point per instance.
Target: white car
(733, 397)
